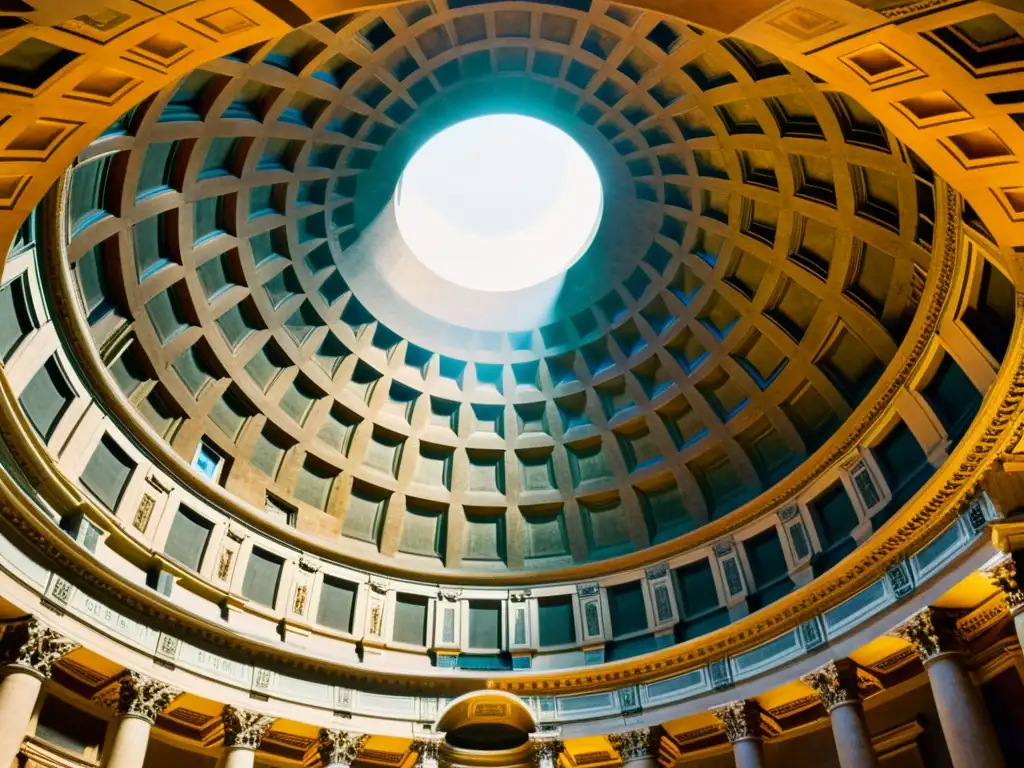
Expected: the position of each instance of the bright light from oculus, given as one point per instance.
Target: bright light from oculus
(499, 203)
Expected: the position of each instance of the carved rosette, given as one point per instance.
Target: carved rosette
(428, 747)
(744, 719)
(1004, 576)
(840, 682)
(546, 748)
(30, 645)
(339, 748)
(243, 728)
(632, 744)
(932, 631)
(141, 696)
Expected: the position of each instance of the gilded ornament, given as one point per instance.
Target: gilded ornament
(144, 512)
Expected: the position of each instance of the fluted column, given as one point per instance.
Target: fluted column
(138, 701)
(635, 748)
(970, 738)
(28, 651)
(746, 725)
(428, 749)
(840, 685)
(243, 732)
(1004, 576)
(546, 747)
(338, 749)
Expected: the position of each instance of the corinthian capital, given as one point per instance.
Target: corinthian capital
(141, 696)
(932, 631)
(744, 719)
(243, 728)
(339, 748)
(632, 744)
(31, 645)
(840, 682)
(546, 746)
(428, 749)
(1004, 576)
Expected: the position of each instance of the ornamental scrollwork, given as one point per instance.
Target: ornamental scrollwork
(243, 728)
(33, 646)
(744, 719)
(840, 682)
(339, 748)
(632, 744)
(932, 631)
(141, 696)
(1004, 576)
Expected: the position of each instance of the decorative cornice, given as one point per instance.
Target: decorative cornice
(932, 632)
(33, 646)
(339, 748)
(243, 728)
(1003, 575)
(907, 532)
(744, 719)
(141, 696)
(632, 744)
(841, 682)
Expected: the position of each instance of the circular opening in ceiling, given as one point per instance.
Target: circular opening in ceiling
(499, 203)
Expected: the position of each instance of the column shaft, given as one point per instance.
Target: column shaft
(853, 740)
(131, 740)
(748, 753)
(970, 737)
(18, 693)
(1018, 624)
(237, 757)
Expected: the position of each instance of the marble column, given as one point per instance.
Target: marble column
(243, 733)
(139, 701)
(746, 726)
(840, 685)
(635, 748)
(1004, 576)
(970, 738)
(338, 749)
(28, 651)
(546, 747)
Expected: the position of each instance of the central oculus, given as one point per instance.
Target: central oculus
(499, 203)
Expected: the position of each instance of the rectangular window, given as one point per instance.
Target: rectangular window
(337, 601)
(627, 608)
(188, 538)
(485, 624)
(108, 472)
(208, 461)
(262, 576)
(556, 622)
(410, 620)
(46, 397)
(69, 728)
(16, 318)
